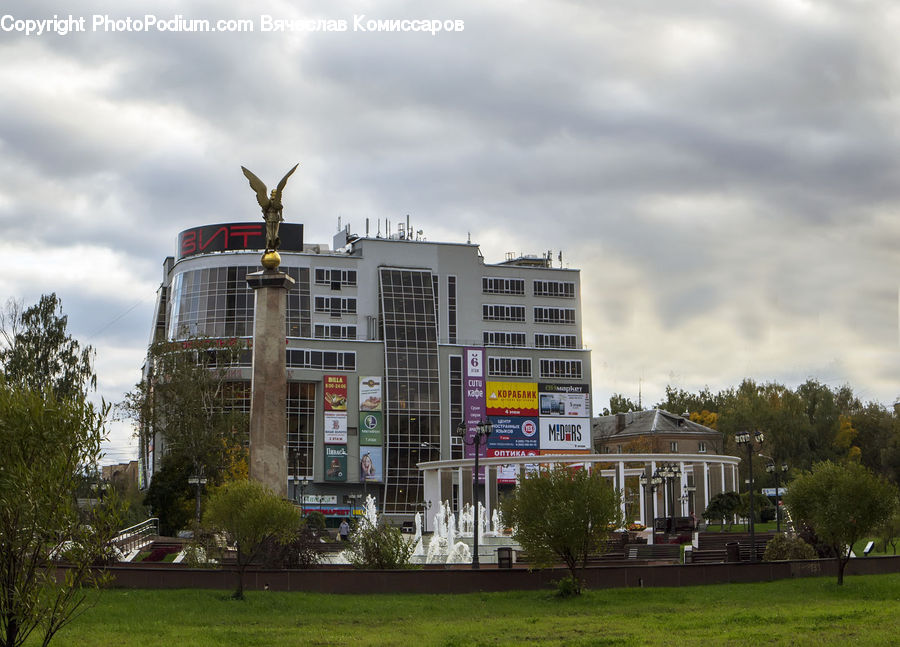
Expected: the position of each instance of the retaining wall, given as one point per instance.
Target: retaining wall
(466, 580)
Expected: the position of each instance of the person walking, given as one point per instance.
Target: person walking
(344, 530)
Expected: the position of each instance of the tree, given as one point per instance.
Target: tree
(49, 436)
(723, 507)
(889, 530)
(37, 353)
(189, 403)
(841, 503)
(250, 515)
(618, 403)
(563, 514)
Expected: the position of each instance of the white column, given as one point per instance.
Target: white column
(643, 495)
(705, 485)
(621, 470)
(722, 469)
(683, 490)
(487, 491)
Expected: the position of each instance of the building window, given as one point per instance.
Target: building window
(502, 312)
(336, 306)
(554, 289)
(334, 331)
(673, 447)
(335, 277)
(509, 367)
(543, 314)
(322, 360)
(491, 338)
(497, 285)
(562, 368)
(301, 418)
(456, 391)
(451, 309)
(546, 340)
(701, 447)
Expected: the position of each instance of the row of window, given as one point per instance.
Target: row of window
(541, 340)
(335, 278)
(336, 306)
(673, 448)
(542, 314)
(323, 360)
(521, 367)
(499, 285)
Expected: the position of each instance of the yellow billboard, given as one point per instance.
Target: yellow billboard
(511, 399)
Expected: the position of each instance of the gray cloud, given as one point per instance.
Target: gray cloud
(724, 174)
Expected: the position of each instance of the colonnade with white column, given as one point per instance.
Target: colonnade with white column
(712, 474)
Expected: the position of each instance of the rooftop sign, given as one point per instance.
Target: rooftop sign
(237, 236)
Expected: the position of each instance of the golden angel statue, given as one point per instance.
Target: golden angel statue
(271, 206)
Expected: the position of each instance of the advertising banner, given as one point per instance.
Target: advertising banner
(335, 462)
(473, 401)
(569, 400)
(370, 393)
(335, 392)
(512, 399)
(507, 474)
(566, 434)
(335, 428)
(371, 465)
(371, 424)
(514, 433)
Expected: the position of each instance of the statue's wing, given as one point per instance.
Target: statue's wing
(262, 194)
(284, 180)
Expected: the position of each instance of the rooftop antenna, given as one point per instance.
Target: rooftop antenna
(469, 239)
(339, 223)
(408, 230)
(379, 228)
(367, 227)
(640, 406)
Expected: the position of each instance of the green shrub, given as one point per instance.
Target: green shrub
(315, 520)
(379, 547)
(781, 548)
(568, 587)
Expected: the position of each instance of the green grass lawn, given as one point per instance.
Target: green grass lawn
(813, 611)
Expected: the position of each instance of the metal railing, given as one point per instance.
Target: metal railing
(137, 536)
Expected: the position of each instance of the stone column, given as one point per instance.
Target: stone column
(268, 417)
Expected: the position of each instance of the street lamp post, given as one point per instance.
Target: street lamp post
(303, 483)
(482, 430)
(772, 469)
(745, 439)
(199, 480)
(650, 484)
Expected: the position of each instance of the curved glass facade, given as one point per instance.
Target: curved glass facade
(217, 302)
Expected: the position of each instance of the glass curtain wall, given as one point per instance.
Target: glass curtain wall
(217, 302)
(412, 414)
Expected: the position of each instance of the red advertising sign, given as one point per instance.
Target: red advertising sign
(335, 393)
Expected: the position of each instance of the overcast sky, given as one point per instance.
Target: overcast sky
(726, 174)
